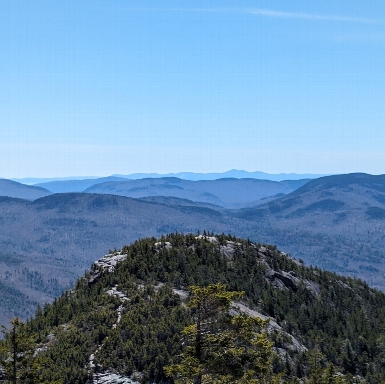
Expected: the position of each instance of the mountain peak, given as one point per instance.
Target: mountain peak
(125, 317)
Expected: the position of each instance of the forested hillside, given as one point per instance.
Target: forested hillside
(125, 317)
(48, 243)
(335, 222)
(11, 188)
(227, 192)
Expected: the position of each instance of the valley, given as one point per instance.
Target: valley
(334, 222)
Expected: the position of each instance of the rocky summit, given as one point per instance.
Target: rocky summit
(123, 321)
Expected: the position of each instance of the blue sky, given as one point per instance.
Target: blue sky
(103, 87)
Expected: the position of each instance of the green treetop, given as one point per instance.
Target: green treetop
(220, 348)
(18, 356)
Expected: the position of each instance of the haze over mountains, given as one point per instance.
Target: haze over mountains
(335, 222)
(234, 173)
(63, 186)
(13, 189)
(228, 193)
(193, 176)
(46, 244)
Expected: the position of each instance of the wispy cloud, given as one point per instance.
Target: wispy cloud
(267, 13)
(306, 16)
(362, 37)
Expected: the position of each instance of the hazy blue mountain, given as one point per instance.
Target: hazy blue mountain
(234, 173)
(37, 180)
(13, 189)
(238, 174)
(336, 222)
(46, 244)
(177, 202)
(229, 192)
(64, 186)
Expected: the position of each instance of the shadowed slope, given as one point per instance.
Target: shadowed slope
(223, 192)
(29, 192)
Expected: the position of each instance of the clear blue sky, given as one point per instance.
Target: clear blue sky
(90, 87)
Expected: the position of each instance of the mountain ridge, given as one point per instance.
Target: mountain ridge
(346, 210)
(183, 175)
(225, 192)
(22, 191)
(47, 244)
(124, 318)
(233, 173)
(67, 186)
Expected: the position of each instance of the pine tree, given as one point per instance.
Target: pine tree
(17, 352)
(331, 376)
(18, 357)
(221, 348)
(319, 375)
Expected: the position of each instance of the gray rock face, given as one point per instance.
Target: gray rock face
(181, 293)
(159, 245)
(210, 239)
(294, 344)
(343, 285)
(112, 378)
(229, 249)
(109, 261)
(285, 278)
(313, 287)
(114, 292)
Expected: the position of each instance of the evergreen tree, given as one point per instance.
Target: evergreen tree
(319, 375)
(221, 348)
(17, 352)
(18, 356)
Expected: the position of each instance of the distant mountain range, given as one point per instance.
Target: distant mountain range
(238, 174)
(234, 173)
(46, 244)
(228, 192)
(64, 186)
(336, 222)
(13, 189)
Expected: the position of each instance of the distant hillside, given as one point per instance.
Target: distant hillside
(37, 180)
(65, 186)
(13, 189)
(180, 203)
(336, 222)
(48, 243)
(234, 173)
(228, 192)
(123, 320)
